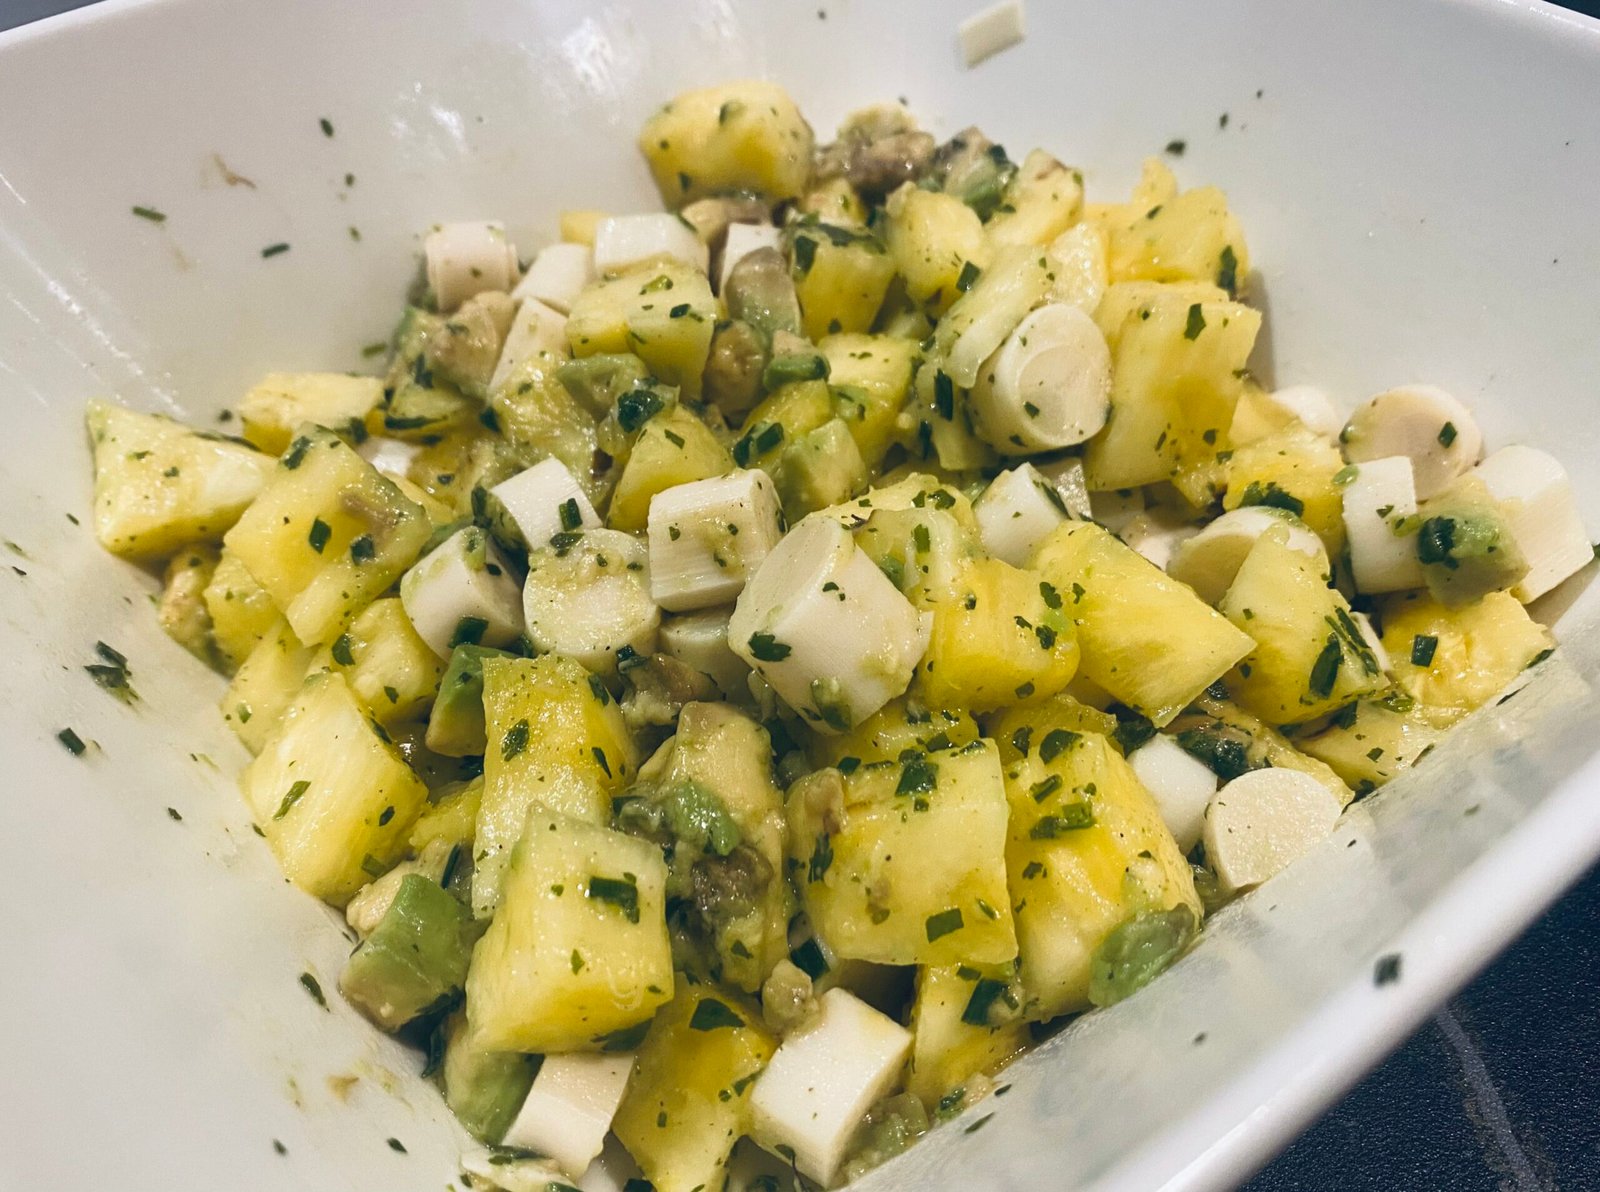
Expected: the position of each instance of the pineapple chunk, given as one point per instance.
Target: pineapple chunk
(331, 793)
(1370, 742)
(451, 818)
(266, 684)
(578, 225)
(1310, 657)
(871, 377)
(578, 953)
(713, 774)
(932, 238)
(1476, 650)
(1004, 637)
(159, 486)
(964, 1021)
(1087, 849)
(899, 725)
(662, 311)
(688, 1100)
(279, 402)
(327, 535)
(738, 136)
(673, 448)
(555, 739)
(788, 413)
(1294, 469)
(389, 668)
(872, 856)
(840, 276)
(1146, 639)
(182, 611)
(1043, 199)
(926, 551)
(1166, 236)
(1177, 366)
(242, 613)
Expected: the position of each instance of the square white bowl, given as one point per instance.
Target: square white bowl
(1416, 178)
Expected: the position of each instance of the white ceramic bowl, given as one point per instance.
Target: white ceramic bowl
(1417, 179)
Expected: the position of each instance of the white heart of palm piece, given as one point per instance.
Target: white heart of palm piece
(463, 259)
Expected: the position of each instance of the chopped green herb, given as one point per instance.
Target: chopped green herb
(314, 988)
(1422, 647)
(711, 1014)
(1055, 742)
(1447, 434)
(327, 126)
(1071, 817)
(1387, 970)
(766, 648)
(151, 214)
(71, 742)
(984, 995)
(469, 631)
(918, 775)
(290, 798)
(273, 250)
(362, 549)
(319, 535)
(944, 923)
(514, 741)
(570, 516)
(341, 651)
(620, 894)
(1195, 324)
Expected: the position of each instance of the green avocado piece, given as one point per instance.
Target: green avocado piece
(456, 727)
(1465, 544)
(484, 1089)
(415, 959)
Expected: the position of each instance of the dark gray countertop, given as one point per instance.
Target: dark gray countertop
(1500, 1091)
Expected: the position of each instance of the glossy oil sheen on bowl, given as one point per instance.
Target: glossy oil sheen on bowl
(1417, 180)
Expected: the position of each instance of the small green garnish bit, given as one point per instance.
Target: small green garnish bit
(1447, 434)
(1056, 742)
(1071, 817)
(711, 1015)
(326, 125)
(151, 214)
(984, 995)
(314, 988)
(1195, 324)
(918, 775)
(766, 648)
(1422, 647)
(71, 742)
(273, 250)
(944, 923)
(469, 631)
(514, 741)
(362, 549)
(571, 517)
(319, 535)
(290, 798)
(340, 650)
(621, 894)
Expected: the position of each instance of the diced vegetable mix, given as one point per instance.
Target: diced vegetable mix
(959, 496)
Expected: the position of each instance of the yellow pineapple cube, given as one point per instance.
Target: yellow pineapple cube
(556, 739)
(737, 136)
(577, 954)
(1003, 637)
(1087, 849)
(1310, 657)
(159, 486)
(327, 535)
(279, 402)
(1472, 651)
(875, 869)
(687, 1101)
(1145, 638)
(331, 793)
(662, 311)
